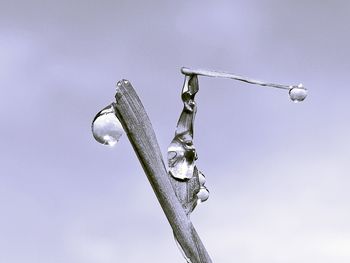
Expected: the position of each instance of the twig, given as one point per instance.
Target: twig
(210, 73)
(138, 127)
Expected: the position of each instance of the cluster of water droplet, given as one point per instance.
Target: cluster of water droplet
(106, 127)
(297, 93)
(203, 193)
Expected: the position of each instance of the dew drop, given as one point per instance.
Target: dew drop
(298, 93)
(203, 194)
(106, 127)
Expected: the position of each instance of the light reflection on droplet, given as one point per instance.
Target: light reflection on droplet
(171, 155)
(106, 127)
(298, 93)
(203, 194)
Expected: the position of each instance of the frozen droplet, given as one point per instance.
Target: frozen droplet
(203, 194)
(298, 93)
(201, 178)
(106, 127)
(181, 157)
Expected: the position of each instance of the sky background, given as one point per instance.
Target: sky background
(278, 172)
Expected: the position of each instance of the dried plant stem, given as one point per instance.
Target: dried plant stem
(210, 73)
(138, 127)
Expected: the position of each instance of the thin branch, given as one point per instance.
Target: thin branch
(210, 73)
(138, 127)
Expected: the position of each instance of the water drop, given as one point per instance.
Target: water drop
(298, 93)
(106, 127)
(126, 82)
(203, 194)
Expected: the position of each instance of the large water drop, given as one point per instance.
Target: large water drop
(298, 93)
(106, 127)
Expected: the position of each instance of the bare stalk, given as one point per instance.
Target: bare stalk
(138, 128)
(210, 73)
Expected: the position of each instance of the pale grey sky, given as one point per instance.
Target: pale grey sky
(278, 173)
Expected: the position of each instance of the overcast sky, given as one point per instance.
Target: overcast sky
(278, 172)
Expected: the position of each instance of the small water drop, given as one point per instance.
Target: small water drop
(126, 82)
(119, 84)
(203, 194)
(106, 127)
(298, 93)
